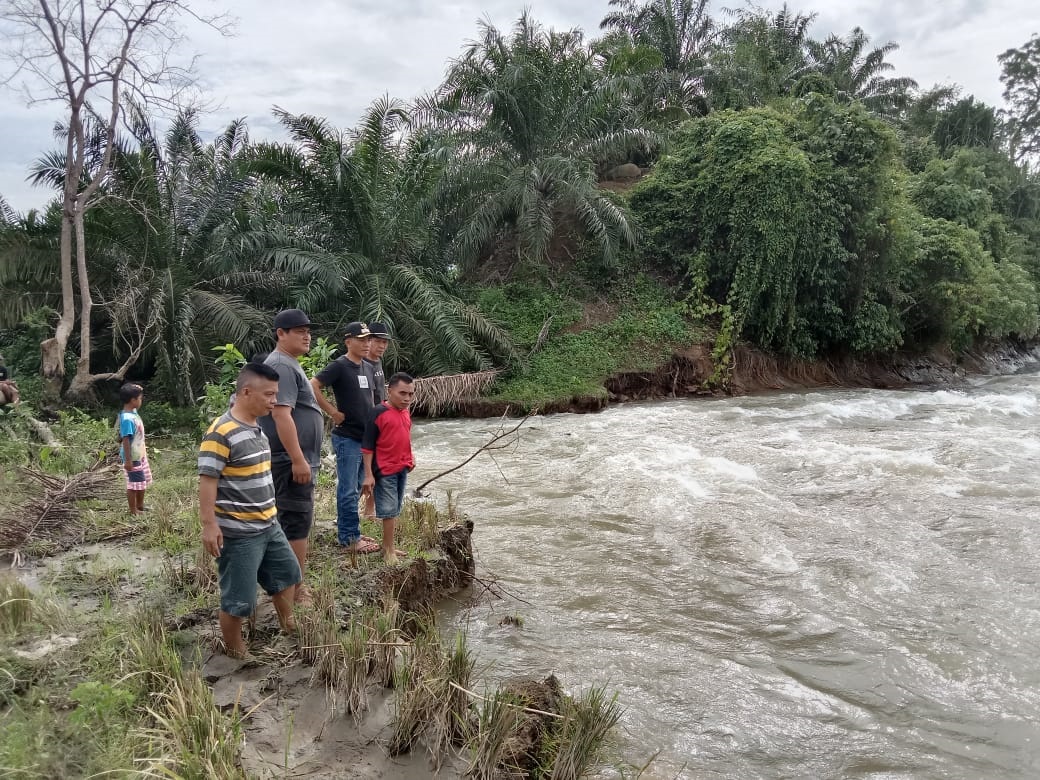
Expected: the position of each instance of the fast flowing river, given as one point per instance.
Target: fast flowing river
(834, 584)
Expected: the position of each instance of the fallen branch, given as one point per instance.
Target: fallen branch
(54, 518)
(497, 442)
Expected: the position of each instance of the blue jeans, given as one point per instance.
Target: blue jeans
(350, 472)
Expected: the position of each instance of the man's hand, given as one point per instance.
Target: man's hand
(338, 417)
(301, 472)
(212, 539)
(368, 483)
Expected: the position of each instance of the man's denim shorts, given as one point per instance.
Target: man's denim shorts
(389, 495)
(265, 558)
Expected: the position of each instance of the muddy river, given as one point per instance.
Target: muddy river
(832, 584)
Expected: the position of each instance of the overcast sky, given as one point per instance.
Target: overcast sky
(332, 57)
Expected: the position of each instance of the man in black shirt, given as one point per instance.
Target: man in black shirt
(352, 388)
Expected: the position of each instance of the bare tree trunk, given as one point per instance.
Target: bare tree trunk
(82, 387)
(76, 49)
(52, 350)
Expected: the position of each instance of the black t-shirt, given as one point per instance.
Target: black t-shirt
(352, 387)
(3, 373)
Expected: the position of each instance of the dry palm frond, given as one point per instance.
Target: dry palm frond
(53, 518)
(435, 394)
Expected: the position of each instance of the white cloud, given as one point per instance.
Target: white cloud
(332, 58)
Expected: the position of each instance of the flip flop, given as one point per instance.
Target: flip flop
(363, 546)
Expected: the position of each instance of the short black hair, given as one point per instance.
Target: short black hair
(129, 392)
(398, 378)
(252, 371)
(259, 357)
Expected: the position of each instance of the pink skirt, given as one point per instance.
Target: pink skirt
(134, 479)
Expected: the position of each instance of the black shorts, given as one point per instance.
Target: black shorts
(295, 502)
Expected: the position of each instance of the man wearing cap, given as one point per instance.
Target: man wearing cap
(378, 340)
(295, 429)
(352, 388)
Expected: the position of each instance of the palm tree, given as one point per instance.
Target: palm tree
(359, 233)
(857, 73)
(527, 124)
(168, 225)
(29, 270)
(679, 32)
(759, 58)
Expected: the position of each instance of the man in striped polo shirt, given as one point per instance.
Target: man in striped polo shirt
(237, 508)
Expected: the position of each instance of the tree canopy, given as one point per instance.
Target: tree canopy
(793, 188)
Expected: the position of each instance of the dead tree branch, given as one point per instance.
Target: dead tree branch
(500, 441)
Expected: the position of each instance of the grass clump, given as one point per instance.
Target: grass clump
(352, 674)
(581, 738)
(432, 704)
(497, 720)
(16, 605)
(385, 633)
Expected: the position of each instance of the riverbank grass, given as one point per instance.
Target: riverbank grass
(111, 681)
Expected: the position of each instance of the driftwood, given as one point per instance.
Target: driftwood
(435, 394)
(500, 441)
(53, 519)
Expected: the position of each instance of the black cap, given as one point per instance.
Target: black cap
(291, 318)
(379, 330)
(356, 330)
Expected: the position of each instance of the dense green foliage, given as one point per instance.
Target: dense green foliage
(585, 338)
(801, 197)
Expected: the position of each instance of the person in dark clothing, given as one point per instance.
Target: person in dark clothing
(387, 453)
(352, 389)
(295, 429)
(378, 340)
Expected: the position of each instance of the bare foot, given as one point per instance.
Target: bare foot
(303, 596)
(390, 557)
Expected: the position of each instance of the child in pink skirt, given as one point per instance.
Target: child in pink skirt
(132, 450)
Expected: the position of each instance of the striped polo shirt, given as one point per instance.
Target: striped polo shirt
(239, 456)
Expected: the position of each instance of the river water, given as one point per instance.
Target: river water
(834, 584)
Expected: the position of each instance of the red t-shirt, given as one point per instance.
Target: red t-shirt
(388, 434)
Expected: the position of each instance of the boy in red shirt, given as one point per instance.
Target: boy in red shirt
(386, 449)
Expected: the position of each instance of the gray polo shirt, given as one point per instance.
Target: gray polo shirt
(294, 391)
